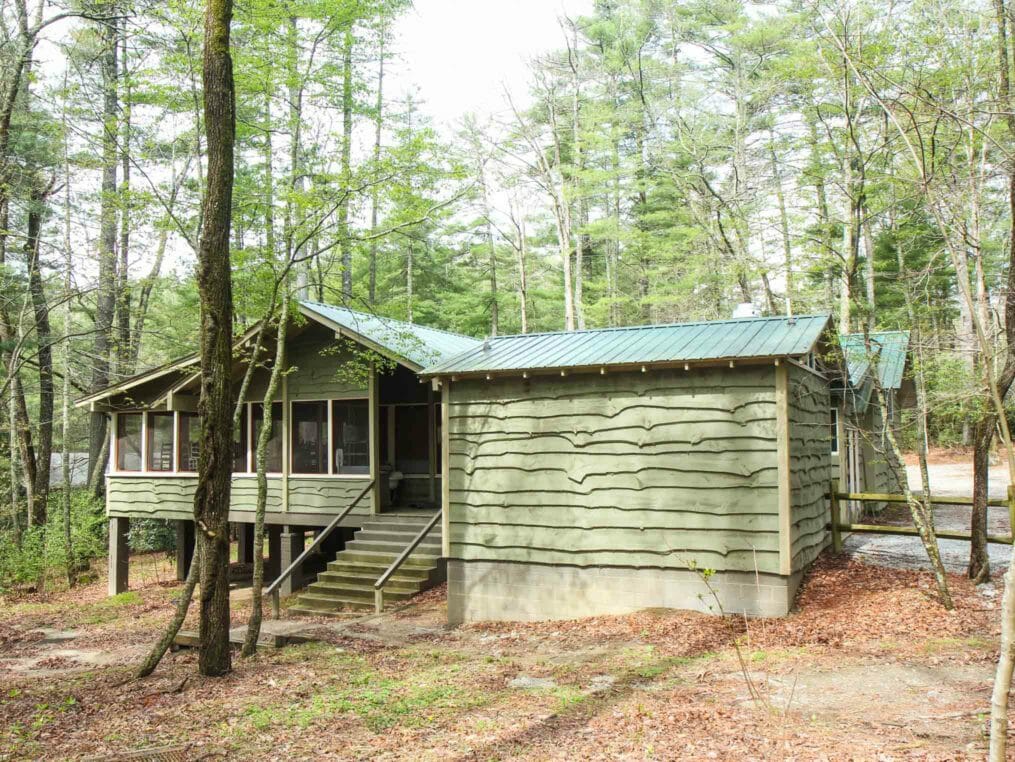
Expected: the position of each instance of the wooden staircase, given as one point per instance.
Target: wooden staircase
(348, 582)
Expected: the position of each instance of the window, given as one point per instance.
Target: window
(240, 443)
(190, 441)
(275, 443)
(834, 427)
(128, 442)
(160, 441)
(412, 455)
(350, 433)
(309, 437)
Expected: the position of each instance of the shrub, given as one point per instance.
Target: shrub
(43, 550)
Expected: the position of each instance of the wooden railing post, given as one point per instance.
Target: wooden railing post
(836, 518)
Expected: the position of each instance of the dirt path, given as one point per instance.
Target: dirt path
(867, 663)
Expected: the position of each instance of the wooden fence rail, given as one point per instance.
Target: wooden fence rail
(838, 526)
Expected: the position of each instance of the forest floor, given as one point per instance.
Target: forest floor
(868, 667)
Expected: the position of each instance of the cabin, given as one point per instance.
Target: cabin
(545, 476)
(352, 427)
(862, 459)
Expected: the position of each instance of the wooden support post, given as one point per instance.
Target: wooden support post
(1011, 513)
(784, 470)
(184, 548)
(119, 554)
(836, 518)
(293, 542)
(271, 567)
(378, 600)
(245, 542)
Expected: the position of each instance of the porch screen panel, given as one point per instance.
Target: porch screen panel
(350, 421)
(240, 443)
(128, 442)
(412, 455)
(275, 443)
(190, 441)
(160, 441)
(310, 437)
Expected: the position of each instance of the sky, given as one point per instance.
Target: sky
(462, 53)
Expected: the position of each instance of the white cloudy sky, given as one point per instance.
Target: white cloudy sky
(461, 53)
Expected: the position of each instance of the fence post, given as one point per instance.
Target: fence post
(836, 518)
(1011, 513)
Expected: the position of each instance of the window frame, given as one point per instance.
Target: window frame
(252, 442)
(835, 445)
(329, 422)
(248, 423)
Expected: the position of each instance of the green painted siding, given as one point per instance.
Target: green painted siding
(663, 469)
(810, 465)
(165, 497)
(316, 362)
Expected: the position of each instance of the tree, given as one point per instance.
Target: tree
(215, 405)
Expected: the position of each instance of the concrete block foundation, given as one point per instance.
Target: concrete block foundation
(509, 591)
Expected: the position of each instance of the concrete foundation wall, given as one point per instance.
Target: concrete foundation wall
(499, 590)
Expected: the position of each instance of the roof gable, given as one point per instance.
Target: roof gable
(415, 345)
(889, 350)
(736, 339)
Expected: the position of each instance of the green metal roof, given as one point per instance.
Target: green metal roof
(888, 351)
(737, 339)
(418, 345)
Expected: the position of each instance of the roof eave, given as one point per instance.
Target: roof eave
(605, 368)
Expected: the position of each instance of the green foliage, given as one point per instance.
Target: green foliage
(42, 550)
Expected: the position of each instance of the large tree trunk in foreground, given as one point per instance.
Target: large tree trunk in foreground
(211, 498)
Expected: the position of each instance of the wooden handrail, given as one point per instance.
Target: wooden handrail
(878, 497)
(383, 579)
(272, 589)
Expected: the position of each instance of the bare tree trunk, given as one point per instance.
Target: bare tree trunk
(375, 188)
(518, 219)
(344, 243)
(105, 307)
(215, 406)
(787, 245)
(123, 295)
(263, 440)
(67, 324)
(182, 605)
(44, 354)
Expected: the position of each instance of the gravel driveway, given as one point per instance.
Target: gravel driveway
(907, 552)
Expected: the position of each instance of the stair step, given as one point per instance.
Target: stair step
(399, 525)
(432, 550)
(307, 611)
(324, 603)
(358, 592)
(375, 570)
(385, 559)
(395, 582)
(399, 538)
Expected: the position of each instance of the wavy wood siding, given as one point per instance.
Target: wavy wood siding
(663, 469)
(173, 497)
(810, 464)
(315, 361)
